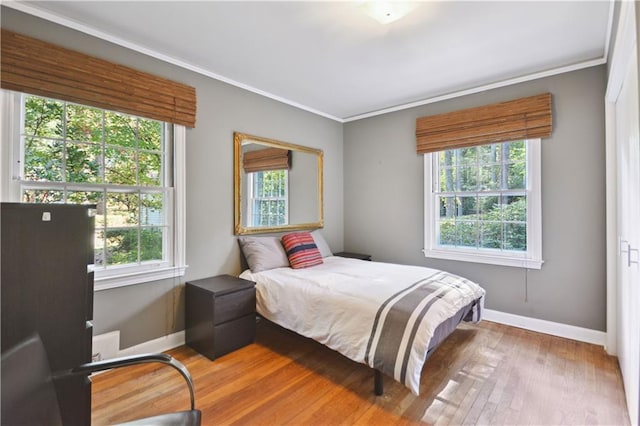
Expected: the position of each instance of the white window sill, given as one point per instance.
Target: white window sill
(487, 258)
(105, 280)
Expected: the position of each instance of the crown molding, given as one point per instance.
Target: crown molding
(79, 26)
(477, 89)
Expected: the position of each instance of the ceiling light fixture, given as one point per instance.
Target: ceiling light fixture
(386, 12)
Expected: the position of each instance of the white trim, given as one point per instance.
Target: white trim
(610, 21)
(547, 327)
(180, 196)
(622, 51)
(468, 256)
(160, 344)
(531, 259)
(251, 198)
(7, 135)
(595, 337)
(478, 89)
(78, 26)
(611, 205)
(534, 201)
(138, 277)
(73, 24)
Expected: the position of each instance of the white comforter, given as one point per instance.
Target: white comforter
(341, 302)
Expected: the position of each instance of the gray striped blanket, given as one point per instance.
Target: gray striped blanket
(381, 314)
(404, 324)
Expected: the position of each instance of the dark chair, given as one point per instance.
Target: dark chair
(29, 396)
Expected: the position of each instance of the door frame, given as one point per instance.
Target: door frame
(626, 42)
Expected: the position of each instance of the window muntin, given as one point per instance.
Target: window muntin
(483, 204)
(482, 196)
(268, 198)
(76, 154)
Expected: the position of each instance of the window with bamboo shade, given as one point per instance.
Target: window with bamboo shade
(40, 68)
(130, 167)
(524, 118)
(482, 173)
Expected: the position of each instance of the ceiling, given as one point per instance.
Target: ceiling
(332, 59)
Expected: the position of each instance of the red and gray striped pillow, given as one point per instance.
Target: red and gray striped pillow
(301, 250)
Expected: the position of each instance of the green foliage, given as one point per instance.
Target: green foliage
(503, 226)
(83, 163)
(86, 146)
(473, 212)
(43, 160)
(269, 202)
(122, 245)
(483, 168)
(43, 117)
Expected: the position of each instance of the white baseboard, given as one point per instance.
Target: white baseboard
(595, 337)
(547, 327)
(160, 344)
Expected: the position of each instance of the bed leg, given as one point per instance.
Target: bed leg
(378, 383)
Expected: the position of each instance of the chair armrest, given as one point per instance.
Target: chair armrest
(92, 367)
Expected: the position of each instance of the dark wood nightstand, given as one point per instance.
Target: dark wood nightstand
(220, 314)
(360, 256)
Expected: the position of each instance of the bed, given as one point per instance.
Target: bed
(390, 317)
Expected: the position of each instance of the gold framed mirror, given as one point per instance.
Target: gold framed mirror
(277, 185)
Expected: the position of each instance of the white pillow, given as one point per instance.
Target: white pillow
(263, 253)
(324, 248)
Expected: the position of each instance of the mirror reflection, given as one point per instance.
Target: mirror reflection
(278, 185)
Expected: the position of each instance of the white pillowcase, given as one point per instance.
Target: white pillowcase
(321, 243)
(266, 252)
(263, 253)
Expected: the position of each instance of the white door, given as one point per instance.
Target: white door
(628, 183)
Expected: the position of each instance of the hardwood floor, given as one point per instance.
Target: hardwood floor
(482, 374)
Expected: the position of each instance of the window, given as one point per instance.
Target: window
(70, 153)
(483, 204)
(268, 200)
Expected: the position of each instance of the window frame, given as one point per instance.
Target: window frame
(251, 197)
(117, 275)
(531, 258)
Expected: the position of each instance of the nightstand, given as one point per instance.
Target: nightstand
(353, 255)
(220, 314)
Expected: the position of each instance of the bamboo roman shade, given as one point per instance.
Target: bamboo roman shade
(36, 67)
(523, 118)
(266, 159)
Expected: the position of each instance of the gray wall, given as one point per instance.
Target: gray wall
(303, 188)
(147, 311)
(374, 204)
(383, 192)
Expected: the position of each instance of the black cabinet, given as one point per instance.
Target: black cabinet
(47, 289)
(220, 314)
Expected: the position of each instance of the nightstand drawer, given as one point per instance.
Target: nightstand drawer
(220, 314)
(234, 334)
(234, 305)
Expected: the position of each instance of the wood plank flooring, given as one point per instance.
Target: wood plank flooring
(487, 374)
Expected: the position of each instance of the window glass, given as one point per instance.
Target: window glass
(268, 198)
(479, 202)
(482, 197)
(78, 154)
